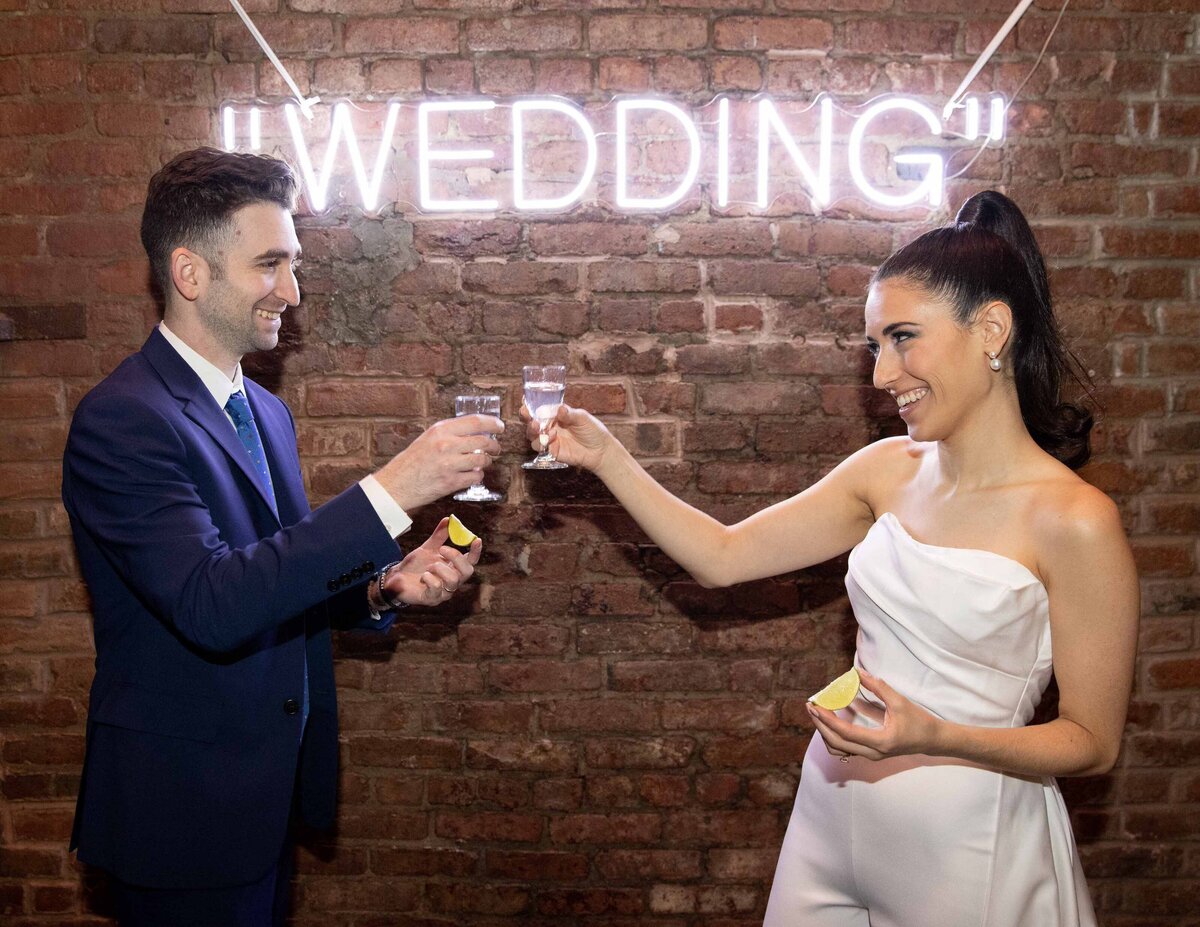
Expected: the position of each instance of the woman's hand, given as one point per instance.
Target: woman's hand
(906, 727)
(576, 436)
(433, 572)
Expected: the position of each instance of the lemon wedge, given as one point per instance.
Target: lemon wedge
(460, 535)
(839, 693)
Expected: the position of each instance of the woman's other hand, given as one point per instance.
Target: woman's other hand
(906, 728)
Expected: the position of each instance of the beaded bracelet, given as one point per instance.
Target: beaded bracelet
(377, 593)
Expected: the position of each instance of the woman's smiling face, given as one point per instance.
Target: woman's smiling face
(935, 369)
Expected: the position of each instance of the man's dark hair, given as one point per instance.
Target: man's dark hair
(190, 201)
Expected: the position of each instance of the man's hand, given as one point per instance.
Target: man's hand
(448, 456)
(433, 572)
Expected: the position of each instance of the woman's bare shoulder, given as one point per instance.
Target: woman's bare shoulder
(1069, 516)
(884, 467)
(894, 451)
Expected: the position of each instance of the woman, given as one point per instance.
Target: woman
(931, 801)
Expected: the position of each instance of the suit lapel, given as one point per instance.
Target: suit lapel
(199, 406)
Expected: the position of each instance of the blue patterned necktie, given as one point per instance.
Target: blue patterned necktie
(243, 420)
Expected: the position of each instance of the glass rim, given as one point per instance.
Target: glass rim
(528, 367)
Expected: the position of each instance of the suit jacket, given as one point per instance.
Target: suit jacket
(205, 604)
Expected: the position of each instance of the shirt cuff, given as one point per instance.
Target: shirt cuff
(394, 518)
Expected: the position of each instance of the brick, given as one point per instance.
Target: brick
(33, 440)
(449, 75)
(716, 359)
(502, 901)
(397, 75)
(92, 237)
(511, 639)
(544, 676)
(751, 33)
(1106, 159)
(643, 277)
(897, 36)
(639, 753)
(505, 76)
(597, 398)
(19, 239)
(720, 828)
(763, 278)
(665, 676)
(525, 33)
(563, 75)
(542, 756)
(286, 35)
(467, 238)
(680, 317)
(624, 315)
(44, 749)
(752, 398)
(606, 829)
(735, 73)
(1167, 358)
(624, 357)
(405, 752)
(627, 32)
(715, 239)
(364, 398)
(55, 75)
(537, 865)
(31, 35)
(41, 118)
(676, 74)
(118, 120)
(426, 861)
(153, 37)
(521, 278)
(590, 902)
(328, 895)
(624, 75)
(489, 826)
(588, 238)
(95, 158)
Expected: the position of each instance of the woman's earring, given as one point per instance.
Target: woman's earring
(993, 360)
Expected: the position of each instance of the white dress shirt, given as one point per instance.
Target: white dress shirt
(394, 518)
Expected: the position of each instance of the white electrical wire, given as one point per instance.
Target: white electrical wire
(1016, 93)
(305, 103)
(986, 54)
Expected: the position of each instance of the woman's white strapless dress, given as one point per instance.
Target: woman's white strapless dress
(921, 841)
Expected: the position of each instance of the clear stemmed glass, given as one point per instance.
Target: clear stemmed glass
(544, 388)
(477, 405)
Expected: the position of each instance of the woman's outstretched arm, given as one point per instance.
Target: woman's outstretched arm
(825, 520)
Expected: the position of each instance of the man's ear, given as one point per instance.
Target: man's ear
(190, 273)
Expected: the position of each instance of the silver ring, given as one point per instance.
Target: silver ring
(845, 759)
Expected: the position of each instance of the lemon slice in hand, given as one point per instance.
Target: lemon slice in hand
(839, 693)
(460, 535)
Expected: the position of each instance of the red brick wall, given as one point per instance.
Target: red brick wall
(590, 737)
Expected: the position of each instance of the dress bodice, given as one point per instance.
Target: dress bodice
(963, 632)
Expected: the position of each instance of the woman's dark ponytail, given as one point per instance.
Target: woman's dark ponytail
(990, 254)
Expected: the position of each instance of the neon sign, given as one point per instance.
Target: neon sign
(891, 153)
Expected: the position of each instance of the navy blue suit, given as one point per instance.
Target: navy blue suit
(205, 607)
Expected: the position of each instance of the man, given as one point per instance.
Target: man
(213, 713)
